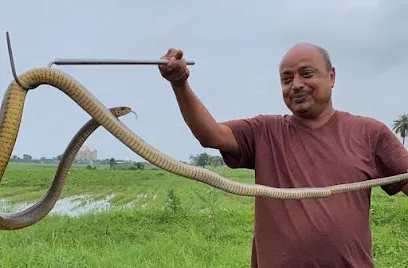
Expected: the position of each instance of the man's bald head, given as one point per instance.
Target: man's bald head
(323, 52)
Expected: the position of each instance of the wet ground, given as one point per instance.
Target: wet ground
(78, 204)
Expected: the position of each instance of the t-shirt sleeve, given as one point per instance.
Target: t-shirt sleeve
(245, 132)
(391, 158)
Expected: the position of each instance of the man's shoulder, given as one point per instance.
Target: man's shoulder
(258, 123)
(359, 120)
(361, 125)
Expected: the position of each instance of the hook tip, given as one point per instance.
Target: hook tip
(13, 68)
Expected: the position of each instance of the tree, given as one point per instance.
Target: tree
(216, 161)
(138, 165)
(193, 160)
(27, 158)
(400, 126)
(204, 159)
(112, 163)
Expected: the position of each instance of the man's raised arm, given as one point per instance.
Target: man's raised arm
(204, 127)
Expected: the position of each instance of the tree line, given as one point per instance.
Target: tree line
(204, 159)
(201, 159)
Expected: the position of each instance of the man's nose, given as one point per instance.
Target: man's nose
(297, 83)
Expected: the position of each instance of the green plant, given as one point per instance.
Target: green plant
(211, 202)
(173, 203)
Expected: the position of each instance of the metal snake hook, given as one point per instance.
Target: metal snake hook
(65, 61)
(13, 68)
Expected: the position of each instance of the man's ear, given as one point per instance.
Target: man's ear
(332, 74)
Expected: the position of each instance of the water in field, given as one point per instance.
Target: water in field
(76, 205)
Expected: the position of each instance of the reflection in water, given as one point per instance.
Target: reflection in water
(76, 205)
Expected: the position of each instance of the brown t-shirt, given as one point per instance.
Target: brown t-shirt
(328, 232)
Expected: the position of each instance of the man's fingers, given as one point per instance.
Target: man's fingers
(180, 76)
(171, 52)
(170, 57)
(179, 54)
(172, 63)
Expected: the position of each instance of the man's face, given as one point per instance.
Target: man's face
(306, 82)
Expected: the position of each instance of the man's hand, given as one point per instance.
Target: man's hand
(176, 71)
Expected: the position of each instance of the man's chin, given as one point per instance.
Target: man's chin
(304, 111)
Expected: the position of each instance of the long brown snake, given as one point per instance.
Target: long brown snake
(10, 118)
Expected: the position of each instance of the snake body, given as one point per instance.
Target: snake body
(12, 110)
(39, 210)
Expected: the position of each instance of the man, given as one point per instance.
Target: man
(316, 146)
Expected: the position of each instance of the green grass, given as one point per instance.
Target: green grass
(209, 228)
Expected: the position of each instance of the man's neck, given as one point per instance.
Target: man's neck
(318, 121)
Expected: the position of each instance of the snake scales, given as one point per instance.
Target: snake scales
(12, 110)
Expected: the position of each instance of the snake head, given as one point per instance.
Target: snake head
(122, 110)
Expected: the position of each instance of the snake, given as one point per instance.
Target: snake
(12, 108)
(37, 211)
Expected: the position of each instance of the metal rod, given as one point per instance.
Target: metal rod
(109, 62)
(13, 67)
(83, 62)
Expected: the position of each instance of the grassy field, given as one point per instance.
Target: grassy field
(157, 219)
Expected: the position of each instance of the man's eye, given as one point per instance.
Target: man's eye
(307, 73)
(285, 80)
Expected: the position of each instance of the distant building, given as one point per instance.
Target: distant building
(86, 154)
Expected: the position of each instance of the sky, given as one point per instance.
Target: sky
(237, 46)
